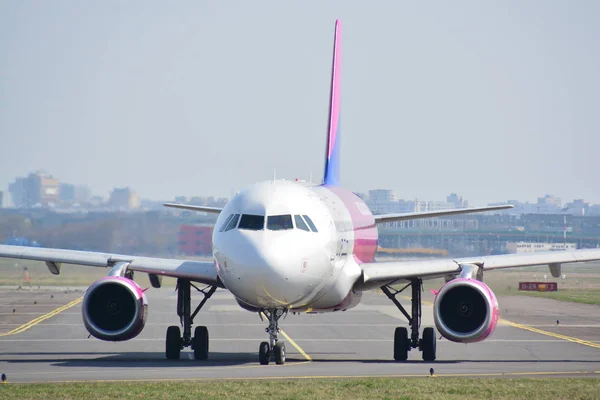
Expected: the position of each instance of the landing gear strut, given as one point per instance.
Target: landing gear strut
(199, 342)
(273, 348)
(402, 343)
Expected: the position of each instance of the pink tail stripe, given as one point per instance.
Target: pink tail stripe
(334, 105)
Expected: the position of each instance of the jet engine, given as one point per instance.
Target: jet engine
(465, 310)
(114, 308)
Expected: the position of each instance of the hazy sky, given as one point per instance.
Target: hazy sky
(493, 100)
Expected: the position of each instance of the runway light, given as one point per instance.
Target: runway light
(51, 296)
(557, 322)
(431, 371)
(3, 378)
(14, 310)
(35, 302)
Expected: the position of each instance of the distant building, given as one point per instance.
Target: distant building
(548, 205)
(577, 207)
(67, 192)
(124, 198)
(195, 240)
(457, 201)
(83, 194)
(38, 188)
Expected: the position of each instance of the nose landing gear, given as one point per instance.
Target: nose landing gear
(274, 348)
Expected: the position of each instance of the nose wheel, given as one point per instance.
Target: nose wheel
(274, 349)
(402, 342)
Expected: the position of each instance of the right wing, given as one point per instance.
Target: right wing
(377, 274)
(198, 271)
(381, 218)
(215, 210)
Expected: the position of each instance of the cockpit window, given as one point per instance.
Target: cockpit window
(232, 224)
(279, 222)
(310, 223)
(252, 222)
(300, 224)
(225, 223)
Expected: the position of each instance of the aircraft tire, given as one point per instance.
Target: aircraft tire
(279, 351)
(264, 354)
(173, 343)
(428, 344)
(201, 343)
(401, 344)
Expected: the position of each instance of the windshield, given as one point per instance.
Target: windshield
(279, 222)
(252, 222)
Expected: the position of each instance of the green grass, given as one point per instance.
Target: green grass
(575, 296)
(351, 388)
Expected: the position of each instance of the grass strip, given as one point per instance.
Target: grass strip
(351, 388)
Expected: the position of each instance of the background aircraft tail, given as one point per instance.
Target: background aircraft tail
(332, 150)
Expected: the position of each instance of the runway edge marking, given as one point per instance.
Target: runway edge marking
(293, 343)
(41, 318)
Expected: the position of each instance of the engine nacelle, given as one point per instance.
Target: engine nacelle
(114, 308)
(465, 310)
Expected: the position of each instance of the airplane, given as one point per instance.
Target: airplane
(282, 246)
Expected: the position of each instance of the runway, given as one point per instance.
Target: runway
(358, 342)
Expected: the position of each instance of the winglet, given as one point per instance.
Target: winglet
(332, 151)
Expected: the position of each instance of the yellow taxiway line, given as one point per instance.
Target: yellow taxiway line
(552, 334)
(41, 318)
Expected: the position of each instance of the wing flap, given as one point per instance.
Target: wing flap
(199, 271)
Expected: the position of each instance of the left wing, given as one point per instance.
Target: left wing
(381, 218)
(377, 274)
(199, 271)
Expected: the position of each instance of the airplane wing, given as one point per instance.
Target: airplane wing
(215, 210)
(199, 271)
(377, 274)
(381, 218)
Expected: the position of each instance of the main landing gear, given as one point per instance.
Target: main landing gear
(274, 348)
(199, 342)
(402, 343)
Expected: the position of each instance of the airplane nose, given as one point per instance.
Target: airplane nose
(257, 270)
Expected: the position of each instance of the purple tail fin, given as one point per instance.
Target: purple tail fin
(332, 151)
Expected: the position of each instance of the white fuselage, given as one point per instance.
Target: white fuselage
(304, 266)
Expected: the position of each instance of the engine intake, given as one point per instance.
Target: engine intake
(114, 308)
(465, 310)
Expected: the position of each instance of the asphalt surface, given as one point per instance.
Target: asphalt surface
(358, 342)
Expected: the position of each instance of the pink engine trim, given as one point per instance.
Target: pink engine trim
(495, 312)
(142, 304)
